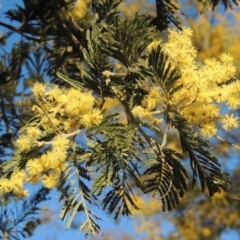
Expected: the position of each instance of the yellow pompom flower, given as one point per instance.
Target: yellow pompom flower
(38, 90)
(62, 99)
(34, 167)
(71, 124)
(53, 159)
(226, 58)
(208, 129)
(60, 143)
(230, 122)
(74, 93)
(80, 9)
(53, 93)
(73, 108)
(149, 103)
(86, 102)
(6, 185)
(23, 143)
(37, 110)
(33, 132)
(86, 120)
(18, 179)
(138, 111)
(50, 180)
(96, 117)
(233, 102)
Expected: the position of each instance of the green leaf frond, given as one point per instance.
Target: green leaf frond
(166, 177)
(75, 196)
(158, 70)
(115, 161)
(166, 14)
(132, 35)
(203, 163)
(106, 9)
(72, 82)
(20, 222)
(228, 4)
(164, 73)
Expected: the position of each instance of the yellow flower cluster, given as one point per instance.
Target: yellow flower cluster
(61, 111)
(80, 9)
(206, 87)
(149, 103)
(67, 109)
(14, 184)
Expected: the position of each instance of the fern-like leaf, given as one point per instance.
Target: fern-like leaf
(203, 163)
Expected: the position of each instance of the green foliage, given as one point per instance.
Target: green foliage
(203, 163)
(106, 9)
(228, 4)
(120, 155)
(166, 14)
(20, 222)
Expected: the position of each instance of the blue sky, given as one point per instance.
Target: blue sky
(55, 230)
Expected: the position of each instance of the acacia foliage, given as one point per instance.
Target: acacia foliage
(117, 152)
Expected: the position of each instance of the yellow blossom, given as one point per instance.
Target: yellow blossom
(226, 58)
(71, 124)
(96, 117)
(192, 113)
(230, 71)
(208, 129)
(219, 95)
(149, 103)
(60, 143)
(50, 122)
(53, 93)
(63, 99)
(73, 108)
(5, 185)
(212, 62)
(213, 110)
(47, 160)
(74, 93)
(23, 143)
(34, 166)
(233, 101)
(38, 90)
(80, 9)
(53, 159)
(138, 111)
(37, 109)
(18, 179)
(86, 102)
(230, 122)
(155, 93)
(33, 132)
(179, 48)
(50, 180)
(152, 99)
(86, 120)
